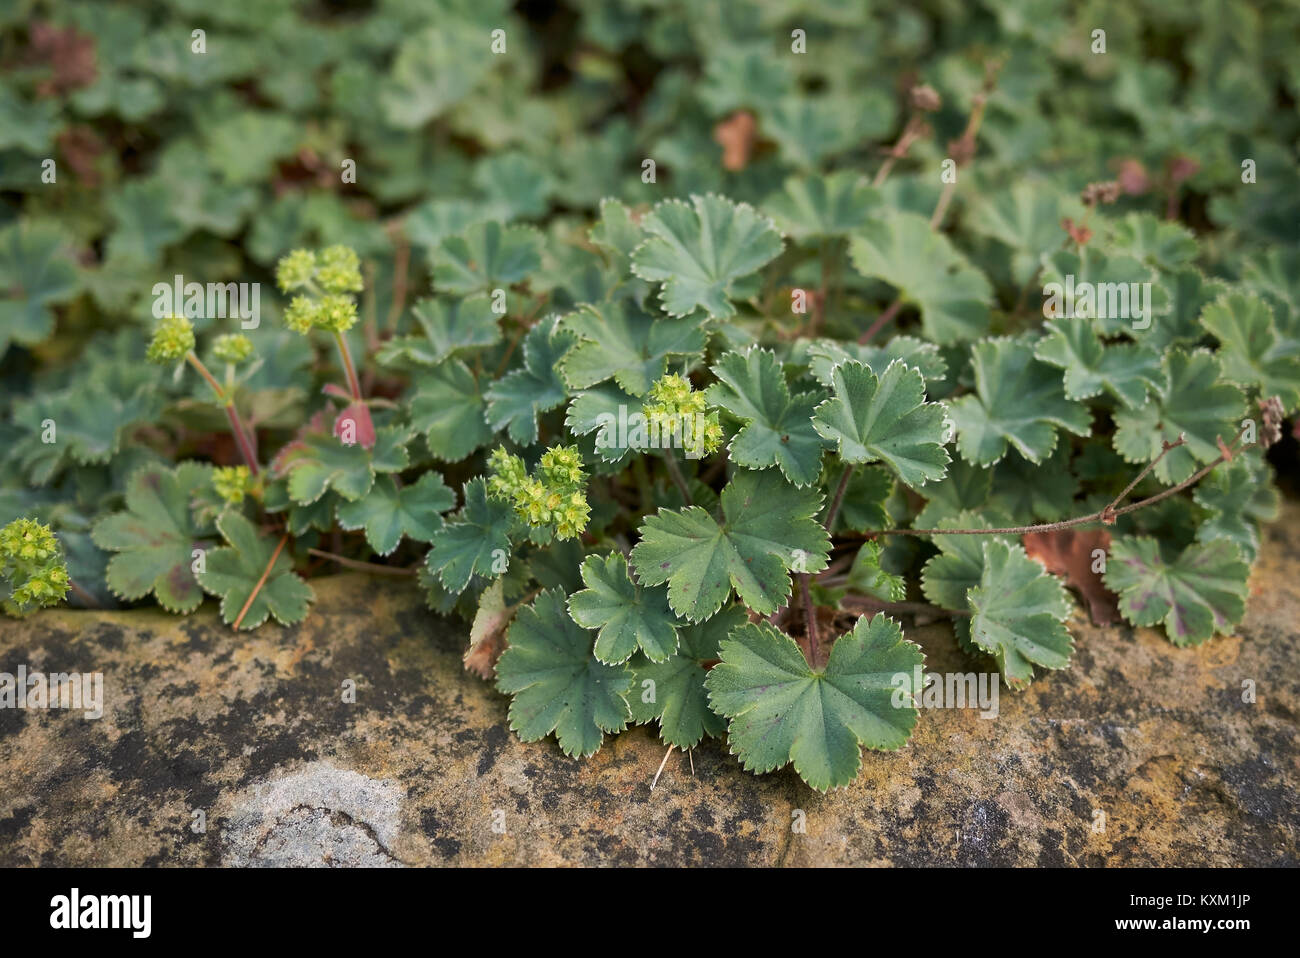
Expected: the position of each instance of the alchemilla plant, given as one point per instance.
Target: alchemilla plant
(688, 417)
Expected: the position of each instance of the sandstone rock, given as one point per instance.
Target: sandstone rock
(1152, 742)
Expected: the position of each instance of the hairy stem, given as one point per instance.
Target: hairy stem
(401, 263)
(899, 150)
(242, 438)
(1107, 515)
(1165, 447)
(359, 565)
(237, 428)
(810, 617)
(354, 386)
(510, 350)
(675, 474)
(197, 363)
(903, 608)
(883, 320)
(262, 581)
(838, 498)
(941, 207)
(86, 597)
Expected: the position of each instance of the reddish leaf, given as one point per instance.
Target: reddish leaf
(1069, 553)
(354, 425)
(736, 134)
(487, 636)
(69, 54)
(1078, 232)
(1133, 178)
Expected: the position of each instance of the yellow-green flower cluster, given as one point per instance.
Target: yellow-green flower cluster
(336, 269)
(562, 466)
(232, 483)
(673, 405)
(300, 315)
(508, 475)
(327, 279)
(295, 269)
(340, 270)
(232, 347)
(32, 563)
(334, 313)
(173, 338)
(555, 499)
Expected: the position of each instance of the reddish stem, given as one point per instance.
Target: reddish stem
(354, 386)
(838, 498)
(262, 581)
(810, 617)
(882, 321)
(247, 448)
(361, 566)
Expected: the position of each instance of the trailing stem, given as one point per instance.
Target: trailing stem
(359, 565)
(883, 320)
(675, 474)
(1106, 515)
(838, 498)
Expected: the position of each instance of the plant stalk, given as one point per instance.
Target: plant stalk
(675, 473)
(237, 428)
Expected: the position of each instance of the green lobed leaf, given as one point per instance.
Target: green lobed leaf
(448, 327)
(698, 249)
(618, 340)
(781, 710)
(1238, 495)
(515, 400)
(1191, 401)
(556, 682)
(449, 409)
(767, 528)
(1104, 287)
(1018, 612)
(629, 617)
(486, 256)
(154, 538)
(778, 427)
(387, 512)
(1197, 593)
(35, 274)
(885, 418)
(673, 692)
(1125, 370)
(318, 461)
(1018, 402)
(834, 204)
(928, 272)
(825, 354)
(475, 543)
(234, 571)
(1253, 349)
